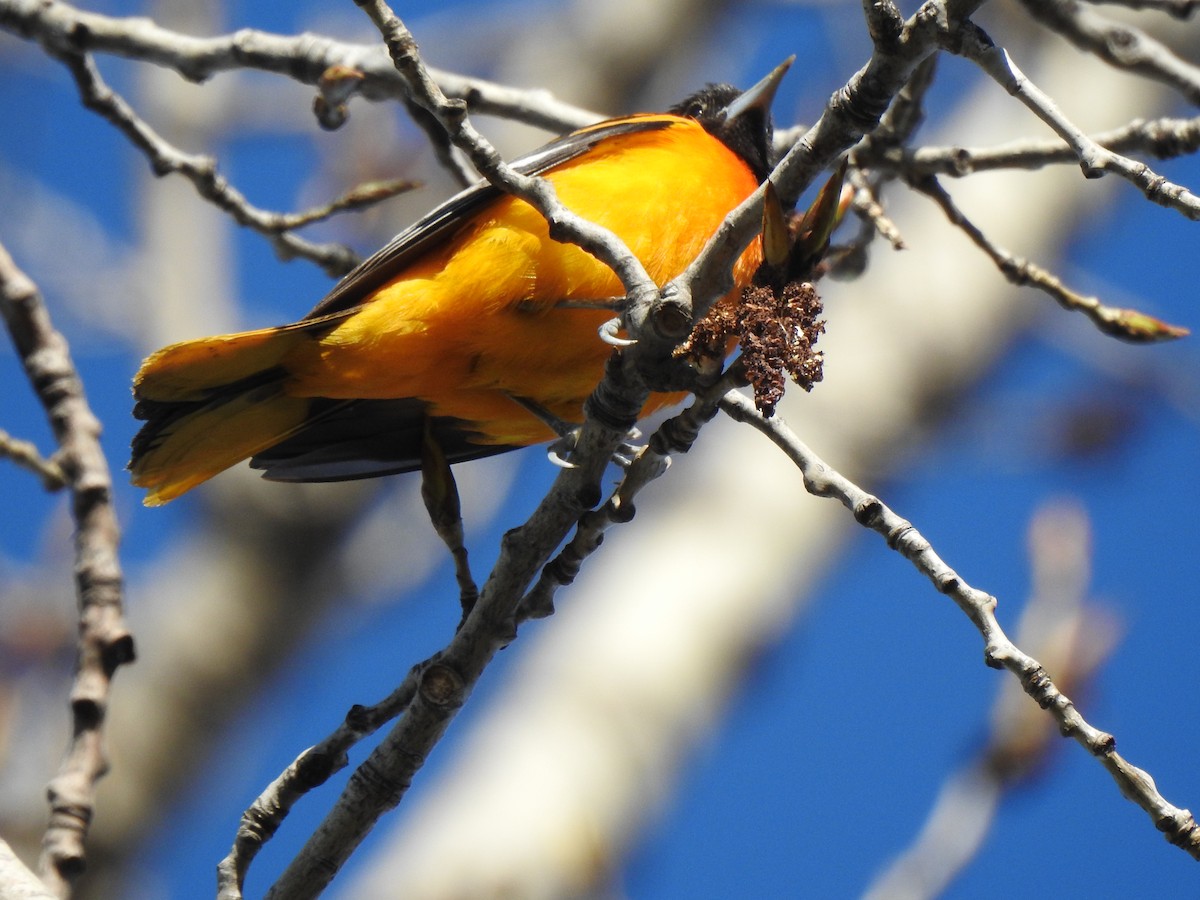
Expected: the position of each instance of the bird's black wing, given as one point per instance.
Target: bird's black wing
(352, 439)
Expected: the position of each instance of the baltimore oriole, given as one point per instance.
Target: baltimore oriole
(469, 323)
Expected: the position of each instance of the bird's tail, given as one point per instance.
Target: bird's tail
(210, 403)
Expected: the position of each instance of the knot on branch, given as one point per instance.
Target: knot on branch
(1168, 138)
(868, 512)
(995, 654)
(336, 86)
(671, 318)
(1103, 744)
(948, 583)
(116, 650)
(1123, 45)
(64, 840)
(78, 37)
(559, 227)
(885, 24)
(314, 768)
(1037, 684)
(87, 710)
(452, 111)
(442, 687)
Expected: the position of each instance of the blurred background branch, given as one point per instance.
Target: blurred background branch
(1073, 639)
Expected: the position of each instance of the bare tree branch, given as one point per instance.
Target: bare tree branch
(444, 683)
(1093, 158)
(821, 480)
(1119, 44)
(1075, 638)
(676, 435)
(1126, 324)
(310, 770)
(202, 172)
(25, 454)
(875, 115)
(1163, 138)
(317, 764)
(305, 58)
(446, 679)
(104, 641)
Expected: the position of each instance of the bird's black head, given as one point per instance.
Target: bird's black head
(740, 119)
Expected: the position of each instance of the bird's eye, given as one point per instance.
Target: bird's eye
(695, 109)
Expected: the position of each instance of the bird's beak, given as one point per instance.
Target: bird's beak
(760, 96)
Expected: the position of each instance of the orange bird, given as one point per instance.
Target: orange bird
(471, 324)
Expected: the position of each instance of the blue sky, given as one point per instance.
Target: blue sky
(790, 796)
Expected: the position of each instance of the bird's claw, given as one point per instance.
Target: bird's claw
(561, 448)
(559, 452)
(608, 334)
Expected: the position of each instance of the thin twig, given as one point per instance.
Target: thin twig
(821, 480)
(443, 146)
(358, 197)
(104, 640)
(202, 172)
(675, 435)
(1164, 138)
(305, 58)
(867, 206)
(1119, 44)
(26, 455)
(907, 112)
(1094, 160)
(896, 128)
(853, 111)
(1076, 639)
(1119, 322)
(308, 771)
